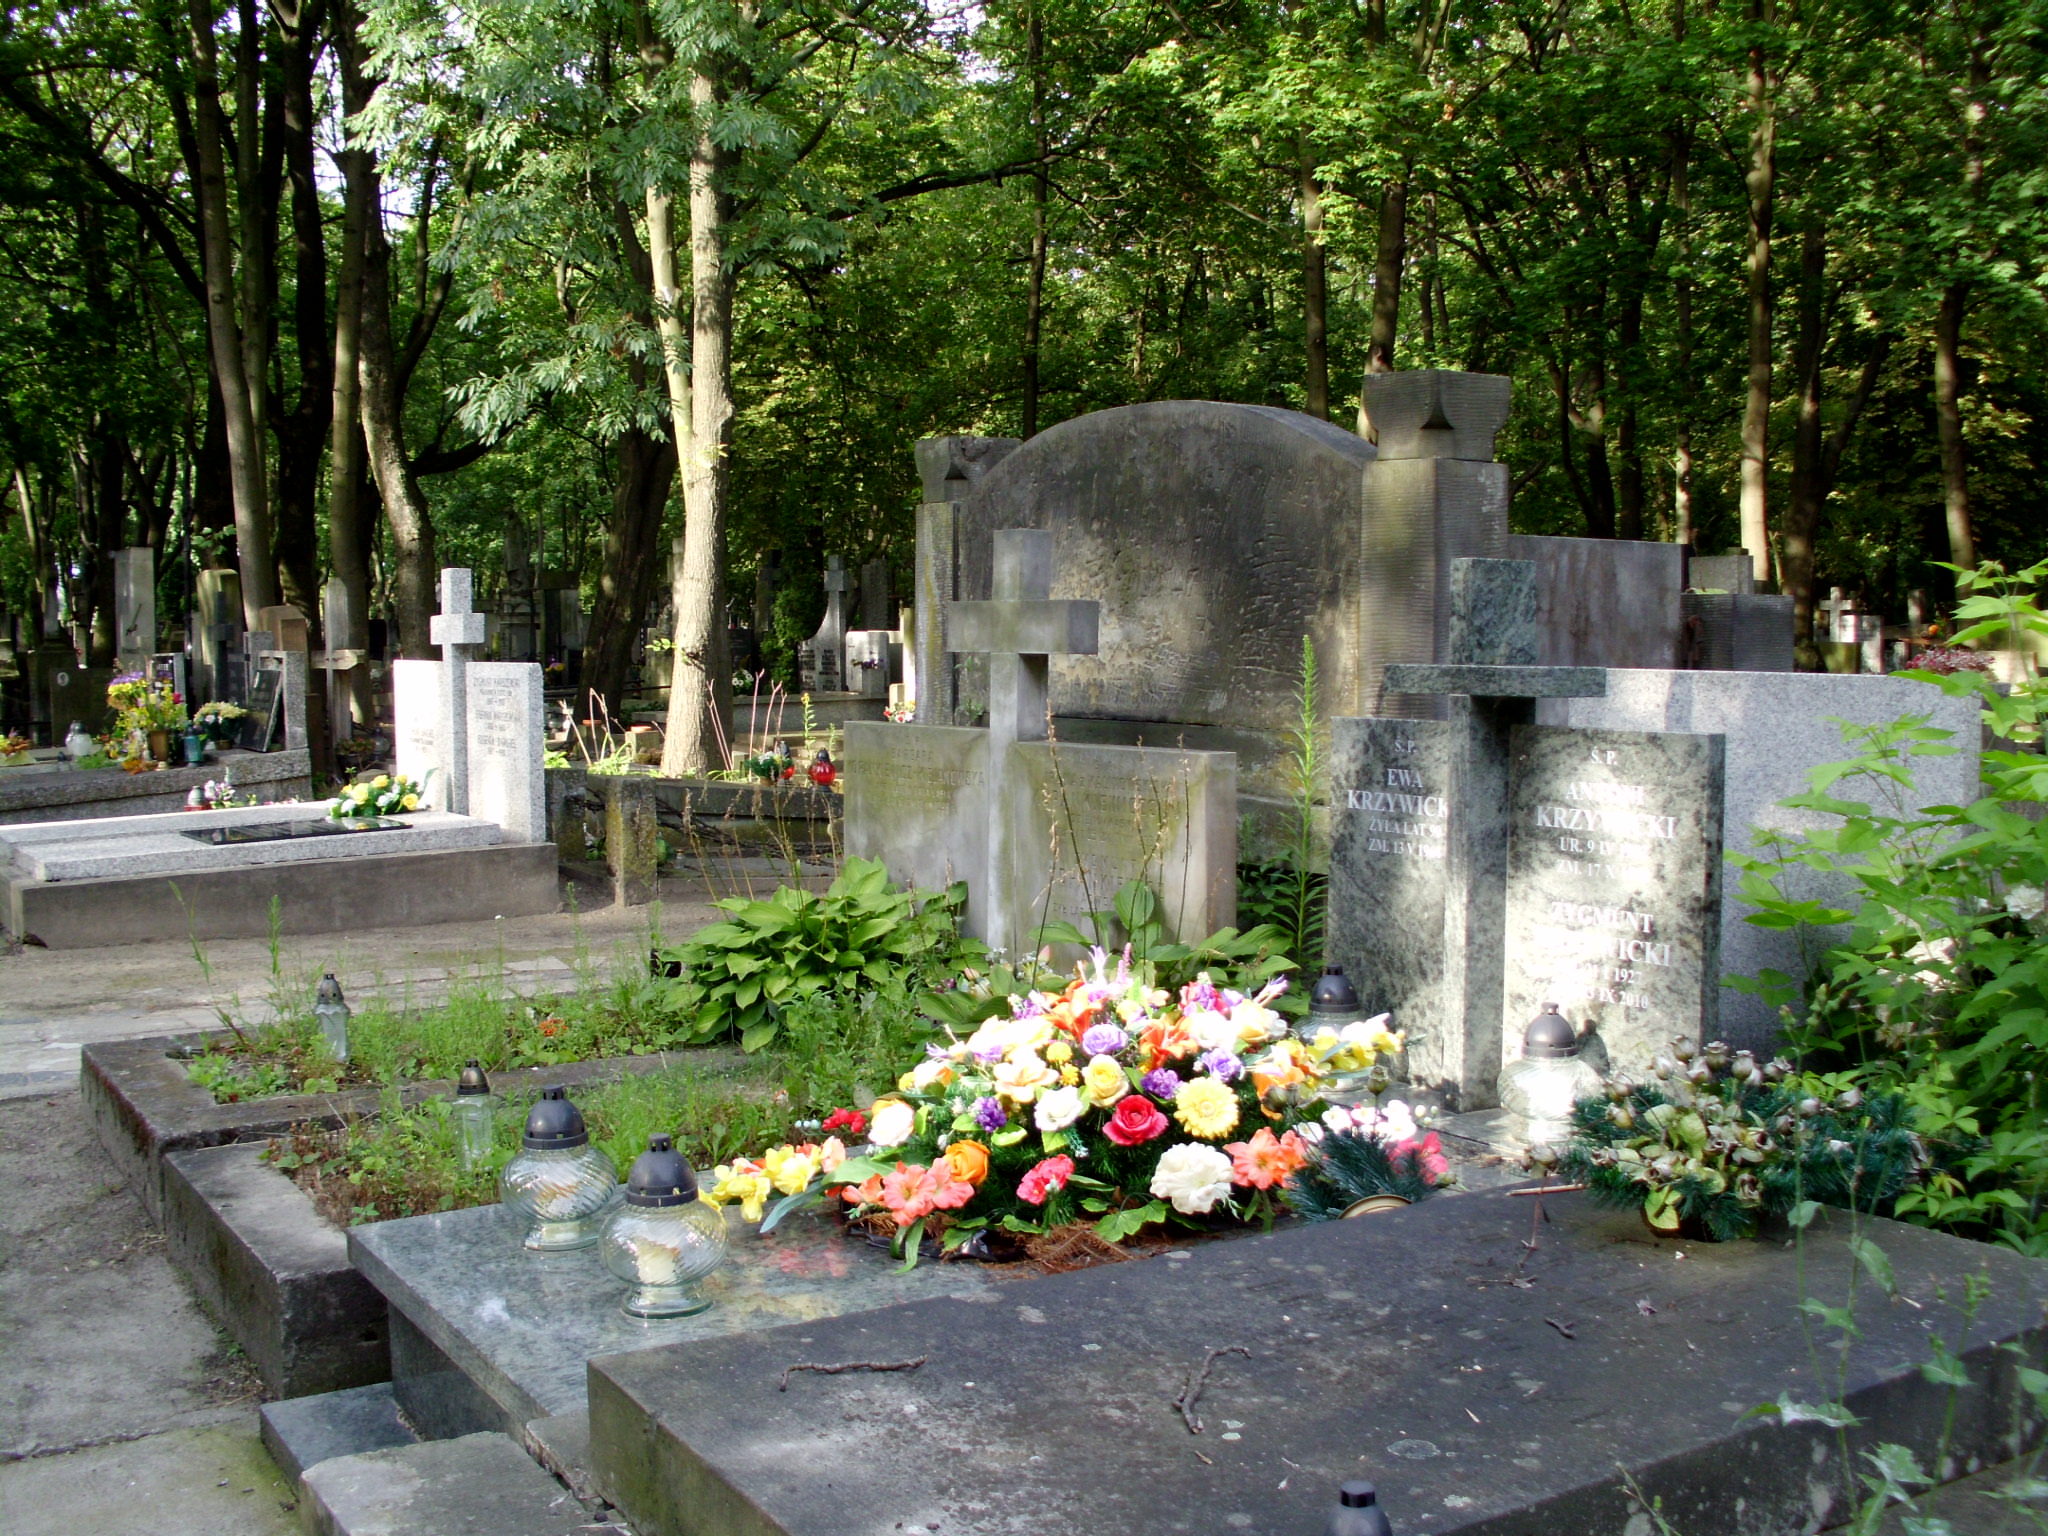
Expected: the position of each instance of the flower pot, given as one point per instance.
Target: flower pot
(159, 746)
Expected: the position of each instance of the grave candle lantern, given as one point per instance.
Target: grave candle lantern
(1333, 1007)
(331, 1009)
(1358, 1513)
(1551, 1076)
(557, 1189)
(664, 1240)
(473, 1110)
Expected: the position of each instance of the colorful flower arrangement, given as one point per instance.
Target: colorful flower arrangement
(13, 746)
(1110, 1101)
(385, 795)
(143, 706)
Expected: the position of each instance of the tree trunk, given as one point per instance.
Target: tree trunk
(44, 561)
(700, 689)
(632, 562)
(302, 435)
(1314, 290)
(383, 411)
(1041, 190)
(245, 444)
(1682, 531)
(1628, 477)
(1801, 527)
(1386, 288)
(1756, 412)
(347, 525)
(1948, 418)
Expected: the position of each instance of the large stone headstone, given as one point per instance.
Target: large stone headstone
(821, 660)
(948, 468)
(1779, 726)
(219, 604)
(416, 725)
(507, 736)
(1614, 886)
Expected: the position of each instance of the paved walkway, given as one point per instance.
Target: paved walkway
(54, 1001)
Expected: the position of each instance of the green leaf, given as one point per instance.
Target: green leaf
(1874, 1262)
(1787, 1411)
(788, 1203)
(1802, 1214)
(911, 1238)
(858, 1170)
(755, 1036)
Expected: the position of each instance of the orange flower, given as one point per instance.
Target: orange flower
(1265, 1160)
(1070, 1015)
(868, 1193)
(552, 1026)
(1165, 1040)
(967, 1160)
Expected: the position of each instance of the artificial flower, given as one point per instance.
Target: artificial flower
(831, 1154)
(1281, 1067)
(744, 1182)
(990, 1115)
(410, 803)
(1428, 1155)
(1047, 1178)
(1137, 1119)
(1020, 1077)
(790, 1169)
(1209, 1029)
(868, 1192)
(1221, 1064)
(1266, 1159)
(891, 1122)
(1192, 1177)
(1105, 1081)
(383, 780)
(1104, 1040)
(1070, 1074)
(930, 1074)
(968, 1161)
(1205, 1107)
(1059, 1053)
(851, 1121)
(1252, 1022)
(1058, 1109)
(1161, 1082)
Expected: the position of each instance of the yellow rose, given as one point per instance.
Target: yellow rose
(929, 1074)
(381, 781)
(968, 1161)
(891, 1122)
(1206, 1107)
(790, 1170)
(410, 803)
(1105, 1082)
(739, 1182)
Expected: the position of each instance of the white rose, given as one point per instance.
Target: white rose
(1252, 1022)
(1211, 1030)
(1193, 1177)
(891, 1123)
(2026, 902)
(1059, 1109)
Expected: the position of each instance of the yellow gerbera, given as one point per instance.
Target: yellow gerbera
(1206, 1107)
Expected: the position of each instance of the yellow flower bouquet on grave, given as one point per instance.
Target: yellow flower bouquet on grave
(387, 794)
(13, 748)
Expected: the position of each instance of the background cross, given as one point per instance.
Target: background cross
(1020, 630)
(459, 632)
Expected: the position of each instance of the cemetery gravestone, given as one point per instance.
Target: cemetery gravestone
(1614, 887)
(134, 606)
(821, 660)
(507, 729)
(948, 468)
(219, 603)
(459, 631)
(287, 627)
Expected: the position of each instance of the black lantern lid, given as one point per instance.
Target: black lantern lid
(1333, 994)
(659, 1176)
(1550, 1036)
(472, 1080)
(554, 1124)
(329, 990)
(1358, 1495)
(822, 757)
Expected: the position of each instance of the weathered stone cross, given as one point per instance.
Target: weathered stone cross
(459, 632)
(1020, 630)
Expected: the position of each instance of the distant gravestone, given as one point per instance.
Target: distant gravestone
(219, 604)
(261, 726)
(288, 625)
(821, 660)
(134, 606)
(1614, 886)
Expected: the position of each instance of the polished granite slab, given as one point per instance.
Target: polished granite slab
(165, 845)
(520, 1326)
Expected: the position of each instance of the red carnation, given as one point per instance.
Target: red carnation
(1136, 1119)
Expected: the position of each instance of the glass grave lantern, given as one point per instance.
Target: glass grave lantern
(1551, 1076)
(1333, 1007)
(472, 1110)
(558, 1188)
(331, 1011)
(664, 1240)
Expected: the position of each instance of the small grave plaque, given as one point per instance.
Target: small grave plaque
(258, 728)
(284, 831)
(1614, 885)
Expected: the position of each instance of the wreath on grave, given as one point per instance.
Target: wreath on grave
(1112, 1102)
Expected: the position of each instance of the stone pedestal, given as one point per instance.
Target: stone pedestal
(630, 834)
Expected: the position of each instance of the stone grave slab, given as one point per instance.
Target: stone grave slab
(486, 1335)
(1614, 886)
(1395, 1348)
(59, 792)
(480, 1485)
(302, 1432)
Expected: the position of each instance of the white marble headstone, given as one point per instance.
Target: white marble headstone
(416, 720)
(507, 732)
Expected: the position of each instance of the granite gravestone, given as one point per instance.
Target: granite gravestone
(948, 468)
(507, 732)
(219, 604)
(134, 606)
(821, 660)
(1040, 829)
(1614, 887)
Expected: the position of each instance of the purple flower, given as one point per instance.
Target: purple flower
(988, 1114)
(1104, 1040)
(1223, 1065)
(937, 1053)
(989, 1054)
(1026, 1007)
(1161, 1083)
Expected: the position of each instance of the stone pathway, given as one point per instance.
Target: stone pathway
(122, 1407)
(54, 1001)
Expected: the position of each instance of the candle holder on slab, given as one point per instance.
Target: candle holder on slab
(558, 1188)
(664, 1240)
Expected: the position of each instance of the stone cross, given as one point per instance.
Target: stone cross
(459, 632)
(1021, 629)
(134, 605)
(1834, 606)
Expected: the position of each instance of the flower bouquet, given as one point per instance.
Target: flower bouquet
(218, 719)
(385, 795)
(1111, 1102)
(1716, 1143)
(13, 748)
(1365, 1159)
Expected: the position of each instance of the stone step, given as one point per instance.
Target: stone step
(302, 1432)
(479, 1485)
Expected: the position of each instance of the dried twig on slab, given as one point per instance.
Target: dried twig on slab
(1553, 1189)
(1563, 1328)
(849, 1365)
(1197, 1379)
